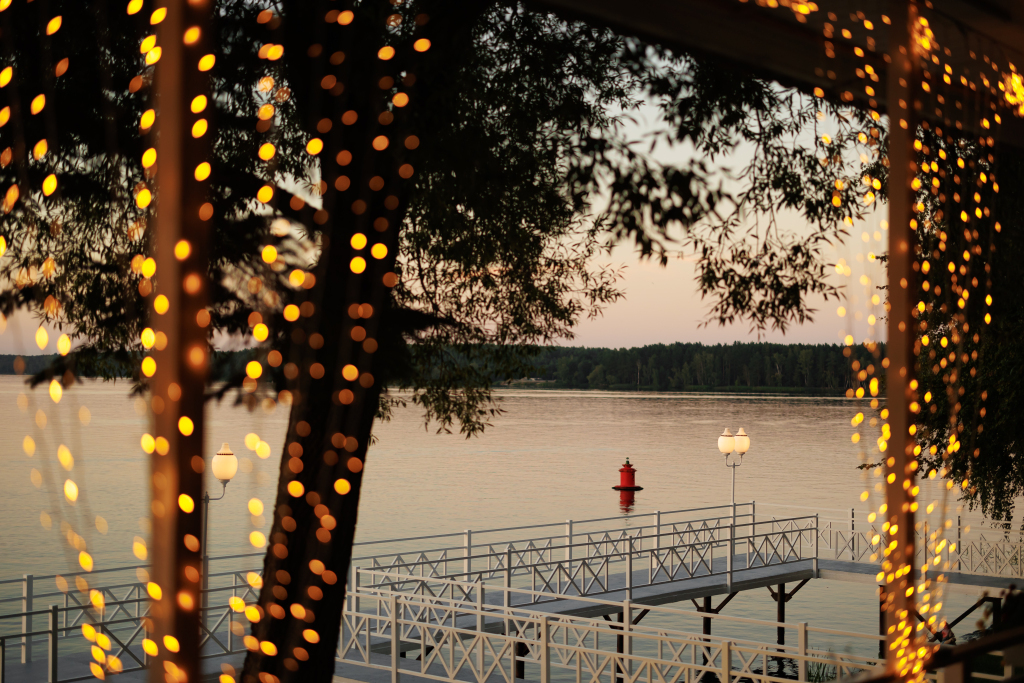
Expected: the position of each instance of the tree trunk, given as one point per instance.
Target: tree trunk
(336, 394)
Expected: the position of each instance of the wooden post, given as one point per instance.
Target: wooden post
(545, 651)
(801, 640)
(853, 535)
(903, 79)
(724, 676)
(396, 642)
(178, 384)
(568, 542)
(26, 621)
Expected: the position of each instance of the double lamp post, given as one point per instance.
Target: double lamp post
(728, 444)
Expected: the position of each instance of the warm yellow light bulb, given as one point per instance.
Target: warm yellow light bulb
(38, 102)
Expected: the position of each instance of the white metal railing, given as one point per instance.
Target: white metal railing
(548, 562)
(468, 631)
(607, 564)
(117, 628)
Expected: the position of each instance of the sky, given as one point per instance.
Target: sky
(662, 303)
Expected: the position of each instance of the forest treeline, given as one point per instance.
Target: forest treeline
(818, 368)
(697, 367)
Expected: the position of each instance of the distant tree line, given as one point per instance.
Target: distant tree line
(693, 367)
(819, 368)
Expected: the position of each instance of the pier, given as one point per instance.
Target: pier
(523, 602)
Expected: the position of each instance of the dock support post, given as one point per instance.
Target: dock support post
(620, 642)
(780, 602)
(396, 641)
(707, 623)
(802, 648)
(51, 667)
(521, 651)
(26, 621)
(467, 562)
(881, 622)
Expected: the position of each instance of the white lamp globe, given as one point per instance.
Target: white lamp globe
(726, 442)
(224, 464)
(742, 441)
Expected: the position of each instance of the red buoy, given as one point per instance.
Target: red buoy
(627, 479)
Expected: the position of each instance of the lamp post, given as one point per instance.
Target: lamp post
(727, 443)
(224, 467)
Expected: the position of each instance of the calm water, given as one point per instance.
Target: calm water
(552, 456)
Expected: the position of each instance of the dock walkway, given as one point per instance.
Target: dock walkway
(503, 604)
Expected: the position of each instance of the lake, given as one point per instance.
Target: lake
(553, 455)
